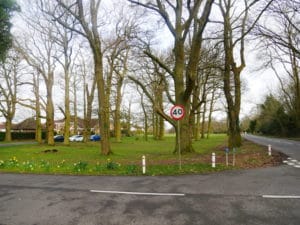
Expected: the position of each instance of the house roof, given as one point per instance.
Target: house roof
(27, 124)
(2, 126)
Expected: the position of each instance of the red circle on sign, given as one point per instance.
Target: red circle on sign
(177, 112)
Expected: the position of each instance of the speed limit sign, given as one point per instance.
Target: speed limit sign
(177, 112)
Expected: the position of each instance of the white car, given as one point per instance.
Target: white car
(76, 138)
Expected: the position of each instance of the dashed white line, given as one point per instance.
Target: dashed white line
(137, 193)
(282, 196)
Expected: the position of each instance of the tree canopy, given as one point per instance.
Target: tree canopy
(6, 9)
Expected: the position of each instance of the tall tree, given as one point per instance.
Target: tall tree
(183, 19)
(89, 87)
(9, 82)
(235, 27)
(36, 104)
(40, 52)
(88, 19)
(64, 39)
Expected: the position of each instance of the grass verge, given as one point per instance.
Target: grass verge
(85, 158)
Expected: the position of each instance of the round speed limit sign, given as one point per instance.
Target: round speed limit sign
(177, 112)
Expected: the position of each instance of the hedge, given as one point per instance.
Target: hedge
(21, 135)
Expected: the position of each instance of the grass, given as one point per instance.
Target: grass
(85, 158)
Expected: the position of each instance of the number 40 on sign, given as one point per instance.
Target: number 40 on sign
(177, 112)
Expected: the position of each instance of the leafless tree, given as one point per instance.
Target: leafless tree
(279, 39)
(10, 80)
(236, 25)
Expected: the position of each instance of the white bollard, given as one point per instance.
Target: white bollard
(144, 164)
(213, 160)
(269, 150)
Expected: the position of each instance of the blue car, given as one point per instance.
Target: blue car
(59, 138)
(95, 137)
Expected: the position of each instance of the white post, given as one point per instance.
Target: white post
(213, 160)
(144, 164)
(226, 158)
(269, 150)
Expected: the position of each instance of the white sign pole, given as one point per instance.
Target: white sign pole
(179, 150)
(177, 113)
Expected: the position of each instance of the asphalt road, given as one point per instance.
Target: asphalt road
(289, 147)
(257, 196)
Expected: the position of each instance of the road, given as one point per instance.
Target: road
(289, 147)
(7, 144)
(257, 196)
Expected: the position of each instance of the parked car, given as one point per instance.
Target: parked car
(59, 138)
(95, 137)
(76, 138)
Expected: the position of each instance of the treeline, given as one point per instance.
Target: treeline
(275, 118)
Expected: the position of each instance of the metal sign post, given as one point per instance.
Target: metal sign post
(179, 150)
(177, 113)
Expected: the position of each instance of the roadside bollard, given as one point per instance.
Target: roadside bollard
(269, 150)
(144, 164)
(213, 160)
(226, 151)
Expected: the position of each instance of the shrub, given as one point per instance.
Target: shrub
(80, 166)
(110, 165)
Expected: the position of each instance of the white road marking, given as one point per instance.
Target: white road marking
(282, 196)
(137, 193)
(292, 162)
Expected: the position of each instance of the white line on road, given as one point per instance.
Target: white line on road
(137, 193)
(282, 196)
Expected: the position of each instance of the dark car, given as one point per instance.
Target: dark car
(59, 138)
(95, 137)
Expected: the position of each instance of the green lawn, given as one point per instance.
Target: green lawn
(85, 158)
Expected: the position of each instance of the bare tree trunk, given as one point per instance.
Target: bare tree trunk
(154, 124)
(37, 108)
(211, 108)
(50, 111)
(145, 118)
(75, 107)
(118, 133)
(203, 120)
(8, 125)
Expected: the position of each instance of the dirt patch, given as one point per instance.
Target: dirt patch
(250, 155)
(50, 151)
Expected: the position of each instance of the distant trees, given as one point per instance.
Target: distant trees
(273, 119)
